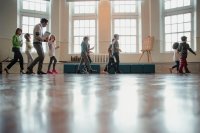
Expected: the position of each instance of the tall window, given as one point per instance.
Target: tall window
(178, 21)
(31, 11)
(125, 23)
(84, 23)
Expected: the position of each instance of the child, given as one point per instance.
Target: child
(84, 55)
(111, 62)
(176, 57)
(182, 49)
(17, 43)
(115, 51)
(52, 48)
(28, 48)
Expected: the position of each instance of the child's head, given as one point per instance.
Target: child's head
(18, 31)
(175, 45)
(52, 38)
(85, 38)
(184, 38)
(27, 36)
(116, 36)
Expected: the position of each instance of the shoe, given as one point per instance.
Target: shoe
(29, 71)
(6, 70)
(22, 72)
(78, 71)
(118, 72)
(41, 72)
(55, 72)
(170, 70)
(49, 72)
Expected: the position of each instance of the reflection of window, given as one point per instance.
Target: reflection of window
(176, 23)
(84, 24)
(125, 23)
(31, 11)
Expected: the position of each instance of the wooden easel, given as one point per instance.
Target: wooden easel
(147, 46)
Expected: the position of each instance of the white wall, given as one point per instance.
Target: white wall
(150, 16)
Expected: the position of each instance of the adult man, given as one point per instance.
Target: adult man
(38, 38)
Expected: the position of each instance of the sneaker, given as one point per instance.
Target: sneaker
(170, 70)
(49, 72)
(41, 72)
(29, 71)
(55, 72)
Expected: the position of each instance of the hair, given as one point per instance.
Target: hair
(85, 38)
(43, 20)
(184, 38)
(17, 30)
(175, 45)
(26, 36)
(52, 37)
(116, 35)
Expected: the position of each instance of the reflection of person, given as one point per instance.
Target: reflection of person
(84, 55)
(52, 54)
(28, 48)
(17, 43)
(115, 51)
(176, 57)
(38, 38)
(183, 48)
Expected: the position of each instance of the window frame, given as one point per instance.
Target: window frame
(128, 15)
(35, 14)
(83, 16)
(178, 11)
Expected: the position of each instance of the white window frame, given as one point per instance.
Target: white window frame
(83, 16)
(36, 14)
(125, 15)
(176, 11)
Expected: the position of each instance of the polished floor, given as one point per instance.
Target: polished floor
(157, 103)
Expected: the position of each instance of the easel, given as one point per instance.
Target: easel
(147, 46)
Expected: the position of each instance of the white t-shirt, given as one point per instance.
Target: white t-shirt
(52, 48)
(176, 55)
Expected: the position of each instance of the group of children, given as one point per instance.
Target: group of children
(180, 55)
(113, 51)
(37, 42)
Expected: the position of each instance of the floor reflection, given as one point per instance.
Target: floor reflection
(99, 104)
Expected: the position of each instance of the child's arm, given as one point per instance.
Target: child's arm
(191, 51)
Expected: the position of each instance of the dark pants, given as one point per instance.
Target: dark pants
(17, 55)
(54, 61)
(176, 65)
(116, 56)
(111, 63)
(40, 58)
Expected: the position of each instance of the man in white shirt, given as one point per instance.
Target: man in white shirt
(38, 38)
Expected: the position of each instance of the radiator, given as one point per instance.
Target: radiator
(99, 58)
